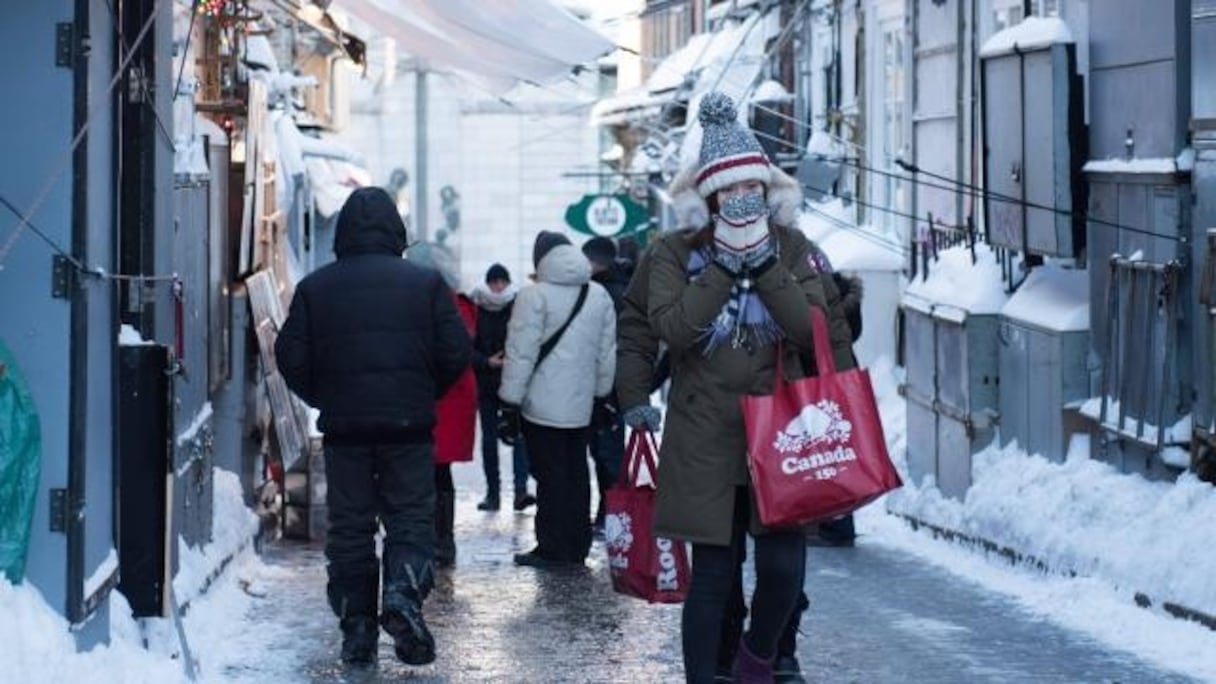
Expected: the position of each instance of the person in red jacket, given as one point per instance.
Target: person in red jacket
(455, 411)
(456, 423)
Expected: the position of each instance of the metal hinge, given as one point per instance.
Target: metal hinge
(62, 273)
(65, 41)
(59, 510)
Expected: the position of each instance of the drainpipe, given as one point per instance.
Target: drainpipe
(78, 358)
(959, 107)
(420, 155)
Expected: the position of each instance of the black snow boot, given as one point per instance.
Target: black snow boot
(523, 499)
(405, 586)
(359, 638)
(353, 600)
(445, 535)
(491, 502)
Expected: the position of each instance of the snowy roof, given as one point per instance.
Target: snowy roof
(955, 282)
(1032, 34)
(861, 249)
(728, 59)
(1053, 298)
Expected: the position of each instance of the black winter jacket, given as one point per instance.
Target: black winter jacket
(372, 340)
(490, 338)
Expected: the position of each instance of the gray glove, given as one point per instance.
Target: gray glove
(643, 416)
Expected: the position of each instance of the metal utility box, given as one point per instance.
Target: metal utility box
(951, 390)
(1044, 340)
(1036, 144)
(1146, 373)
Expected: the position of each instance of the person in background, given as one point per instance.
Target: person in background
(607, 438)
(456, 412)
(372, 341)
(840, 532)
(455, 429)
(494, 302)
(550, 399)
(722, 295)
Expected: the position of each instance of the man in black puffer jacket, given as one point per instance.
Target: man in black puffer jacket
(372, 341)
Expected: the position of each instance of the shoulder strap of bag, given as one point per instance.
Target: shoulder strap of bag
(550, 343)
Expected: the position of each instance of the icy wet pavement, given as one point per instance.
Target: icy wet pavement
(877, 615)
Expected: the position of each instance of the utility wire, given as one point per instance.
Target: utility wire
(96, 272)
(38, 231)
(859, 232)
(24, 217)
(960, 187)
(975, 192)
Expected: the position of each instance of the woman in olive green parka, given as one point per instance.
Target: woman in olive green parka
(726, 296)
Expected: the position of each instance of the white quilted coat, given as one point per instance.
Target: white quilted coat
(581, 367)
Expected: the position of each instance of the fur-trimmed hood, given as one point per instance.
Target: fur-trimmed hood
(783, 192)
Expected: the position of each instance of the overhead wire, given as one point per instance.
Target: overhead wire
(959, 187)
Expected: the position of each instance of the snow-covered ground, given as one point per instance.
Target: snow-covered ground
(1091, 539)
(1120, 534)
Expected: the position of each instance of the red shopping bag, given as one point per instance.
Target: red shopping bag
(641, 564)
(815, 446)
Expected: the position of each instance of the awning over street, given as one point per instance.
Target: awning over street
(729, 59)
(499, 43)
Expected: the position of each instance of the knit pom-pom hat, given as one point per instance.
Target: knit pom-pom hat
(729, 152)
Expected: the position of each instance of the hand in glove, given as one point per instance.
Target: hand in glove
(604, 413)
(741, 236)
(643, 417)
(509, 424)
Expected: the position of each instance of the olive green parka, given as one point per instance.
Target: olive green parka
(703, 455)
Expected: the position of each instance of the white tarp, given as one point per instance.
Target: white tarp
(498, 44)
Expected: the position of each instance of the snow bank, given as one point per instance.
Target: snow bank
(1178, 433)
(232, 527)
(955, 281)
(1083, 516)
(39, 647)
(1033, 33)
(1053, 298)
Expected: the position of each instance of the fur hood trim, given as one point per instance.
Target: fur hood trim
(784, 200)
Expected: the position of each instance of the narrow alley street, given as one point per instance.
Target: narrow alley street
(878, 614)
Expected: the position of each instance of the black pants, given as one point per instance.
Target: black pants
(607, 446)
(780, 559)
(563, 490)
(443, 478)
(487, 409)
(393, 485)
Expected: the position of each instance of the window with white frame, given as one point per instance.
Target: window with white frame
(893, 191)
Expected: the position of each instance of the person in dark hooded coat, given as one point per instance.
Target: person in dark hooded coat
(372, 341)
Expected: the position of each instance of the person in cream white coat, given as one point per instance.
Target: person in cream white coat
(551, 400)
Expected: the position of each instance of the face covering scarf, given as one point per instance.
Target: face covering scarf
(744, 321)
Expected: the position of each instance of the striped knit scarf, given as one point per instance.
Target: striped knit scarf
(744, 320)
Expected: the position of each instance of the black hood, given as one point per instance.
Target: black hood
(369, 224)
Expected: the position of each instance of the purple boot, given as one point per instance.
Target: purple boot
(750, 668)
